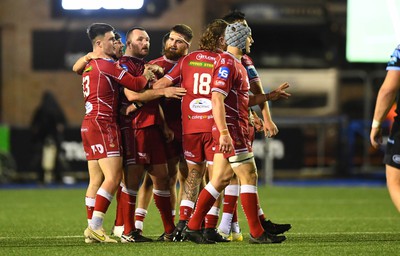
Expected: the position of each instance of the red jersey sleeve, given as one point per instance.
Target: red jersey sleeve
(174, 74)
(115, 71)
(251, 70)
(133, 83)
(223, 70)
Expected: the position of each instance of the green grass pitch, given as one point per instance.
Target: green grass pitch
(325, 220)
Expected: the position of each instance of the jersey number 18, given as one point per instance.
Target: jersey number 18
(201, 83)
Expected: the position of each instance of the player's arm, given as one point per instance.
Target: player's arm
(268, 126)
(135, 105)
(218, 111)
(138, 99)
(173, 77)
(152, 94)
(278, 93)
(80, 64)
(162, 83)
(133, 83)
(386, 97)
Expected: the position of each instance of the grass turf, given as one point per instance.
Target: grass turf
(325, 220)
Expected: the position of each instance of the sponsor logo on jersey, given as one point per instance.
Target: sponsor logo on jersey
(124, 67)
(199, 117)
(97, 148)
(201, 105)
(396, 159)
(223, 72)
(88, 69)
(201, 64)
(393, 62)
(188, 154)
(219, 82)
(251, 71)
(88, 107)
(204, 57)
(143, 156)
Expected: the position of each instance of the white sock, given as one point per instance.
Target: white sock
(235, 227)
(97, 220)
(225, 224)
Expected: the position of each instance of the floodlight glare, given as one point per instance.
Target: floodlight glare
(105, 4)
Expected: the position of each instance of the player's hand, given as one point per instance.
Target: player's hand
(174, 92)
(148, 73)
(270, 129)
(91, 56)
(131, 108)
(157, 70)
(257, 121)
(279, 93)
(376, 137)
(225, 143)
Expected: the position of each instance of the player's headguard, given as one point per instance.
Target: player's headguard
(236, 35)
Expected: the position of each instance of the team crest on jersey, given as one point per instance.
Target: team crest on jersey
(238, 143)
(112, 145)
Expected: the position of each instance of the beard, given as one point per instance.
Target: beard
(140, 52)
(173, 55)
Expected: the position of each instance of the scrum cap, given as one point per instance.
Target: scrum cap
(236, 35)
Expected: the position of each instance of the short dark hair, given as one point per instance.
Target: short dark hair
(117, 35)
(233, 16)
(133, 28)
(98, 29)
(185, 30)
(164, 41)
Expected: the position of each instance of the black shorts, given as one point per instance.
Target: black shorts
(392, 153)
